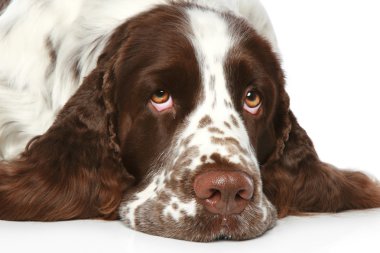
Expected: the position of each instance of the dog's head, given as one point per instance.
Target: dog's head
(197, 96)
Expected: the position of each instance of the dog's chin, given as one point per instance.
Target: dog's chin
(207, 227)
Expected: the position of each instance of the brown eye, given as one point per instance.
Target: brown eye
(252, 102)
(161, 100)
(252, 99)
(160, 97)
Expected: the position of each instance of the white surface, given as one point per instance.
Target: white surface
(331, 56)
(346, 232)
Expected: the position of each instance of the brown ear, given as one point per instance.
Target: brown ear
(74, 169)
(296, 181)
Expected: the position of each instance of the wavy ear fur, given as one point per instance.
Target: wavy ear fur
(296, 181)
(73, 170)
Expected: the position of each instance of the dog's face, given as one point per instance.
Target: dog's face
(197, 92)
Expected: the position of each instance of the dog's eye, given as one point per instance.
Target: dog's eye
(252, 102)
(161, 100)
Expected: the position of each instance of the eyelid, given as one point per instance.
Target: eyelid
(252, 110)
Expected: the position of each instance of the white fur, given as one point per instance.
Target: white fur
(128, 212)
(212, 41)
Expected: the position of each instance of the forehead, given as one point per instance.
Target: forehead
(210, 36)
(191, 46)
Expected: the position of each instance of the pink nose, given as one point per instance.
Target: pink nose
(224, 192)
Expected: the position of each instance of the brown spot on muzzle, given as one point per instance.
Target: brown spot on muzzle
(205, 121)
(234, 121)
(230, 142)
(215, 130)
(227, 124)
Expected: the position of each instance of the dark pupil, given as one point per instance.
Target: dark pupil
(251, 95)
(160, 93)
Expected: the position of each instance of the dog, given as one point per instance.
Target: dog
(169, 115)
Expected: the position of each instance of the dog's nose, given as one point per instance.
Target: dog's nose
(224, 192)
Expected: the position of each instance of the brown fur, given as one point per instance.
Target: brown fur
(72, 171)
(299, 182)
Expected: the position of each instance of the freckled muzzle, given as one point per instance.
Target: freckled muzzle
(202, 196)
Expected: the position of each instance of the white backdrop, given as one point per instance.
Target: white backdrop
(331, 54)
(330, 51)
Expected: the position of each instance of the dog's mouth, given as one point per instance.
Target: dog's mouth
(227, 229)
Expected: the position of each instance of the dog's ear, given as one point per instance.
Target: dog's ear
(296, 181)
(73, 170)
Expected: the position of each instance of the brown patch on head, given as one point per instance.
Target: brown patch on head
(251, 62)
(154, 52)
(205, 121)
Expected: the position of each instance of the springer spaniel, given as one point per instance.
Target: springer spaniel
(170, 115)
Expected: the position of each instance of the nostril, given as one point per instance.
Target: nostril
(239, 195)
(214, 198)
(245, 194)
(214, 195)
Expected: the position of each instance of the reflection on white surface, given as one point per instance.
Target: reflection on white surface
(355, 231)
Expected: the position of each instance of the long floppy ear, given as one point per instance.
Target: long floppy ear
(74, 169)
(296, 181)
